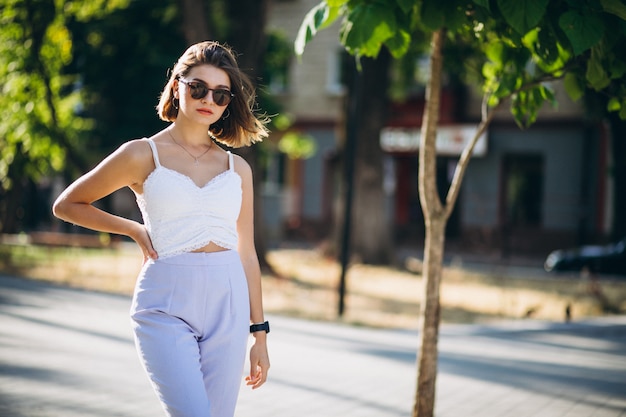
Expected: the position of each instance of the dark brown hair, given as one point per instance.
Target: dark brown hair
(242, 127)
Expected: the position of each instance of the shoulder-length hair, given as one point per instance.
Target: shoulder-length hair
(242, 127)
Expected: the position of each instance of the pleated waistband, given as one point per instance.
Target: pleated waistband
(202, 258)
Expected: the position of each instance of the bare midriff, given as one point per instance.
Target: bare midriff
(211, 247)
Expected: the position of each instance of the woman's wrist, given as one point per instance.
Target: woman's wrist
(260, 336)
(260, 327)
(134, 230)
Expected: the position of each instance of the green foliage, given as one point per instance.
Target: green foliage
(37, 99)
(320, 17)
(297, 145)
(616, 7)
(61, 70)
(450, 14)
(367, 27)
(523, 15)
(583, 32)
(521, 43)
(121, 57)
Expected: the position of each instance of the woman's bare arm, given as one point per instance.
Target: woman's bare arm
(259, 359)
(127, 166)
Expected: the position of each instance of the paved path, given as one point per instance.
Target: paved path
(69, 353)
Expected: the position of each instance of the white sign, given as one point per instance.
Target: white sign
(451, 140)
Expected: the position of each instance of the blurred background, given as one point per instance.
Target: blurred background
(81, 77)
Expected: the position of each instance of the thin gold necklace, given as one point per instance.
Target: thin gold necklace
(195, 158)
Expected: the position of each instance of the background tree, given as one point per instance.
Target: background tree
(121, 59)
(371, 244)
(524, 45)
(38, 129)
(77, 80)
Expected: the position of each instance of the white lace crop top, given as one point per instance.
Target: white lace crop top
(181, 217)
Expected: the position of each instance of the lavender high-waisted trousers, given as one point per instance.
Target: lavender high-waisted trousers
(190, 316)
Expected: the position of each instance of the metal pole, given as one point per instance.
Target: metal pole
(349, 161)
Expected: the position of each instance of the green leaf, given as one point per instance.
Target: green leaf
(525, 105)
(455, 18)
(317, 18)
(495, 53)
(399, 44)
(583, 31)
(433, 15)
(617, 69)
(596, 75)
(615, 7)
(573, 87)
(406, 5)
(522, 15)
(614, 104)
(436, 14)
(545, 48)
(489, 70)
(548, 95)
(483, 3)
(367, 27)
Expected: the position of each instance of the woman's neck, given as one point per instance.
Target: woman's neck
(190, 134)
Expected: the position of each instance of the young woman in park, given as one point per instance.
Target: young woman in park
(198, 295)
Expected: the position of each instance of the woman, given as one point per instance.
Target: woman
(200, 285)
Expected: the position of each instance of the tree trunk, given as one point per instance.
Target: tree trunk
(195, 21)
(247, 20)
(12, 198)
(435, 218)
(372, 232)
(430, 316)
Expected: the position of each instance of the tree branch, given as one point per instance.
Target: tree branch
(486, 118)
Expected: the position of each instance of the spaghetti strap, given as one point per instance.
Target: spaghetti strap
(231, 165)
(155, 154)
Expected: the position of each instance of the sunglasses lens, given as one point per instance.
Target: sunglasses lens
(221, 97)
(198, 91)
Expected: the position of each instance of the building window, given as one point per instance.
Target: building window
(523, 177)
(336, 67)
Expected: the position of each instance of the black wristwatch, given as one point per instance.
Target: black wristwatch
(260, 327)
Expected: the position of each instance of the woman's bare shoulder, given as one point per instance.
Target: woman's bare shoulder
(135, 158)
(136, 149)
(241, 165)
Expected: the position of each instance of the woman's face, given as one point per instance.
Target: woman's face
(199, 93)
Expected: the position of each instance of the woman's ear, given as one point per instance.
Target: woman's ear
(175, 85)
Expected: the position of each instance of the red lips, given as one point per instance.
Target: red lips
(205, 111)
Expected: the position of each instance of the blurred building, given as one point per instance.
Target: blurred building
(525, 190)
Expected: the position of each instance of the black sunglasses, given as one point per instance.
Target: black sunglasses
(199, 90)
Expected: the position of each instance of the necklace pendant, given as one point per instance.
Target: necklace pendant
(195, 162)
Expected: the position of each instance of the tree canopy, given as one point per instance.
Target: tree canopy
(523, 44)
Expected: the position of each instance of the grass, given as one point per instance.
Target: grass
(305, 285)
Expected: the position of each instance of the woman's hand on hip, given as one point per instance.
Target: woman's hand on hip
(141, 237)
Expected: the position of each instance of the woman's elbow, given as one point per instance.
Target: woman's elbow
(59, 208)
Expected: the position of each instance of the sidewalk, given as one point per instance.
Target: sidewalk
(69, 353)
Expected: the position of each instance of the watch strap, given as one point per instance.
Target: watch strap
(260, 327)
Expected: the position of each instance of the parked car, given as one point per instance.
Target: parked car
(607, 259)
